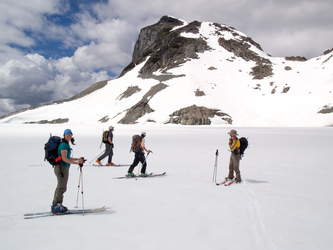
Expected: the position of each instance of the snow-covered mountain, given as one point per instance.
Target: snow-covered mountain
(201, 73)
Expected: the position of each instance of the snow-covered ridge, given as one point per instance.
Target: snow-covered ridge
(233, 76)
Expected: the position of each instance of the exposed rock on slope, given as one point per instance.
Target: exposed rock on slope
(142, 107)
(195, 115)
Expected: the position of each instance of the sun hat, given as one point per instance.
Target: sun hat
(68, 131)
(111, 127)
(233, 132)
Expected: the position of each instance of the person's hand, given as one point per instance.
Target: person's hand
(81, 160)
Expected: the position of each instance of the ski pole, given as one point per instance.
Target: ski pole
(81, 174)
(144, 162)
(78, 190)
(96, 157)
(80, 184)
(215, 165)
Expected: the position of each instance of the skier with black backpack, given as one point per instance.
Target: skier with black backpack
(138, 147)
(237, 148)
(61, 170)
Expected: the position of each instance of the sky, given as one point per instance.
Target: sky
(53, 49)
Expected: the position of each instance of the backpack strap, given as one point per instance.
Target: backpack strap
(233, 145)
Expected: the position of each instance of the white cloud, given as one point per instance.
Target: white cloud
(20, 14)
(33, 80)
(102, 55)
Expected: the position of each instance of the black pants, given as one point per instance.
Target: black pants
(139, 157)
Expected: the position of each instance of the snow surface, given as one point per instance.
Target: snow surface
(285, 200)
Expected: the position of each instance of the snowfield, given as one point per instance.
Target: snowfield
(284, 202)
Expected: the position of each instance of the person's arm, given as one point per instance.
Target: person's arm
(71, 160)
(144, 146)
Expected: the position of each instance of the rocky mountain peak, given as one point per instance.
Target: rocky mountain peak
(165, 46)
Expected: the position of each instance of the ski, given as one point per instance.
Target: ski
(221, 183)
(74, 211)
(116, 165)
(229, 183)
(128, 177)
(154, 175)
(226, 180)
(149, 175)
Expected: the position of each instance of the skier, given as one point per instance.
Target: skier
(62, 171)
(235, 156)
(108, 149)
(139, 157)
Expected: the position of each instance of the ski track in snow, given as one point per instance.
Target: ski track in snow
(261, 238)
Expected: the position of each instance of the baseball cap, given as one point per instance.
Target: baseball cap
(68, 131)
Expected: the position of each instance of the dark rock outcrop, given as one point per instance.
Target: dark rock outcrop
(55, 121)
(295, 58)
(327, 109)
(129, 91)
(195, 115)
(142, 107)
(241, 49)
(165, 47)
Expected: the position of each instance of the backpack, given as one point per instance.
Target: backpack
(136, 144)
(105, 136)
(243, 145)
(51, 150)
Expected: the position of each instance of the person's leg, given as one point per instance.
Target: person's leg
(231, 167)
(135, 163)
(62, 174)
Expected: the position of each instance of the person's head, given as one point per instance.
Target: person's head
(68, 136)
(111, 128)
(143, 134)
(233, 133)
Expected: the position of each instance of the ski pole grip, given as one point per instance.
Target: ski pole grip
(81, 164)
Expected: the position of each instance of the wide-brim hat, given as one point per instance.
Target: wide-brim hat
(233, 132)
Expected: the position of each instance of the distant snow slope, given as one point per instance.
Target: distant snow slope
(292, 96)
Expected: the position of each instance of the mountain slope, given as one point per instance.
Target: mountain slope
(202, 73)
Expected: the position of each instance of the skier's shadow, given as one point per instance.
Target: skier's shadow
(255, 181)
(107, 211)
